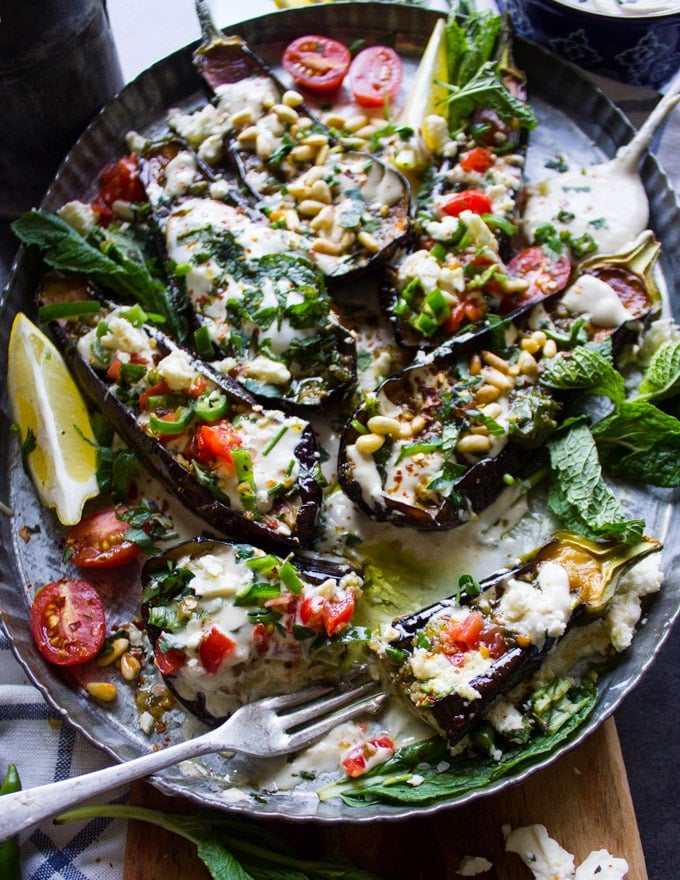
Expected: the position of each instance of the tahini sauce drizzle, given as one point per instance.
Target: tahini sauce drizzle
(607, 200)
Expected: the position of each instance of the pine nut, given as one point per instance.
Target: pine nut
(368, 242)
(116, 649)
(292, 98)
(304, 122)
(500, 380)
(321, 191)
(539, 336)
(527, 364)
(248, 134)
(326, 246)
(314, 174)
(243, 117)
(130, 667)
(492, 410)
(418, 424)
(334, 120)
(550, 349)
(264, 144)
(493, 360)
(285, 113)
(367, 444)
(354, 123)
(310, 207)
(322, 155)
(487, 394)
(298, 190)
(347, 240)
(529, 345)
(302, 153)
(324, 218)
(317, 139)
(367, 131)
(475, 365)
(292, 220)
(473, 444)
(384, 425)
(479, 429)
(104, 691)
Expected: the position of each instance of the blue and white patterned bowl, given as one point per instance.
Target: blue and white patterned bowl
(642, 50)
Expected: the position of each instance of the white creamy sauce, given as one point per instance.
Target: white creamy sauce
(592, 296)
(470, 866)
(624, 8)
(538, 609)
(608, 202)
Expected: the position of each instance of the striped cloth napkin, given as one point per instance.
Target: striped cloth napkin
(45, 749)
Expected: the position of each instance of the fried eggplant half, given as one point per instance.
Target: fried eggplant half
(231, 623)
(246, 470)
(454, 660)
(350, 209)
(260, 304)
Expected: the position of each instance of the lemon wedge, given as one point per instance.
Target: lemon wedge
(427, 95)
(51, 414)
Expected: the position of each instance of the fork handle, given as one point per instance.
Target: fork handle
(23, 809)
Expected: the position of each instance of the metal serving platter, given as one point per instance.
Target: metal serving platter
(575, 118)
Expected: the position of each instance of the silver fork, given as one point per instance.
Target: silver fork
(267, 728)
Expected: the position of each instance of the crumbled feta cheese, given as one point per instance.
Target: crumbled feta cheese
(470, 866)
(79, 216)
(540, 853)
(177, 370)
(541, 609)
(264, 369)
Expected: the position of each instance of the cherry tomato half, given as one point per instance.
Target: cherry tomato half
(68, 623)
(214, 649)
(478, 159)
(467, 200)
(375, 76)
(97, 541)
(169, 662)
(317, 63)
(545, 274)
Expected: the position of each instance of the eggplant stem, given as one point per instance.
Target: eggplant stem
(211, 33)
(630, 154)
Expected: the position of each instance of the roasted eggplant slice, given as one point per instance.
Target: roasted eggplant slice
(231, 623)
(454, 273)
(350, 208)
(261, 303)
(454, 660)
(433, 444)
(245, 470)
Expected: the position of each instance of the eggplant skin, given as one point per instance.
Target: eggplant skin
(162, 464)
(592, 572)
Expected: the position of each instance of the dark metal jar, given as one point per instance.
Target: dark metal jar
(58, 67)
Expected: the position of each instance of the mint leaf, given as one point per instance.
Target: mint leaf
(662, 376)
(640, 442)
(585, 368)
(110, 259)
(578, 495)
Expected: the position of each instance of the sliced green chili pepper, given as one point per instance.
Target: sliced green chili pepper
(178, 422)
(244, 474)
(211, 406)
(10, 866)
(54, 311)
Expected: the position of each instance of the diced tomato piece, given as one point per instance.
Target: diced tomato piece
(312, 612)
(467, 200)
(477, 159)
(365, 755)
(216, 440)
(260, 639)
(338, 613)
(214, 649)
(113, 371)
(119, 181)
(462, 635)
(469, 310)
(197, 387)
(153, 391)
(169, 662)
(493, 639)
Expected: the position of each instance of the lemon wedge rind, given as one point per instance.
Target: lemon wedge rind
(46, 403)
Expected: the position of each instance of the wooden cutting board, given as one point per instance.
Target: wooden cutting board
(583, 800)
